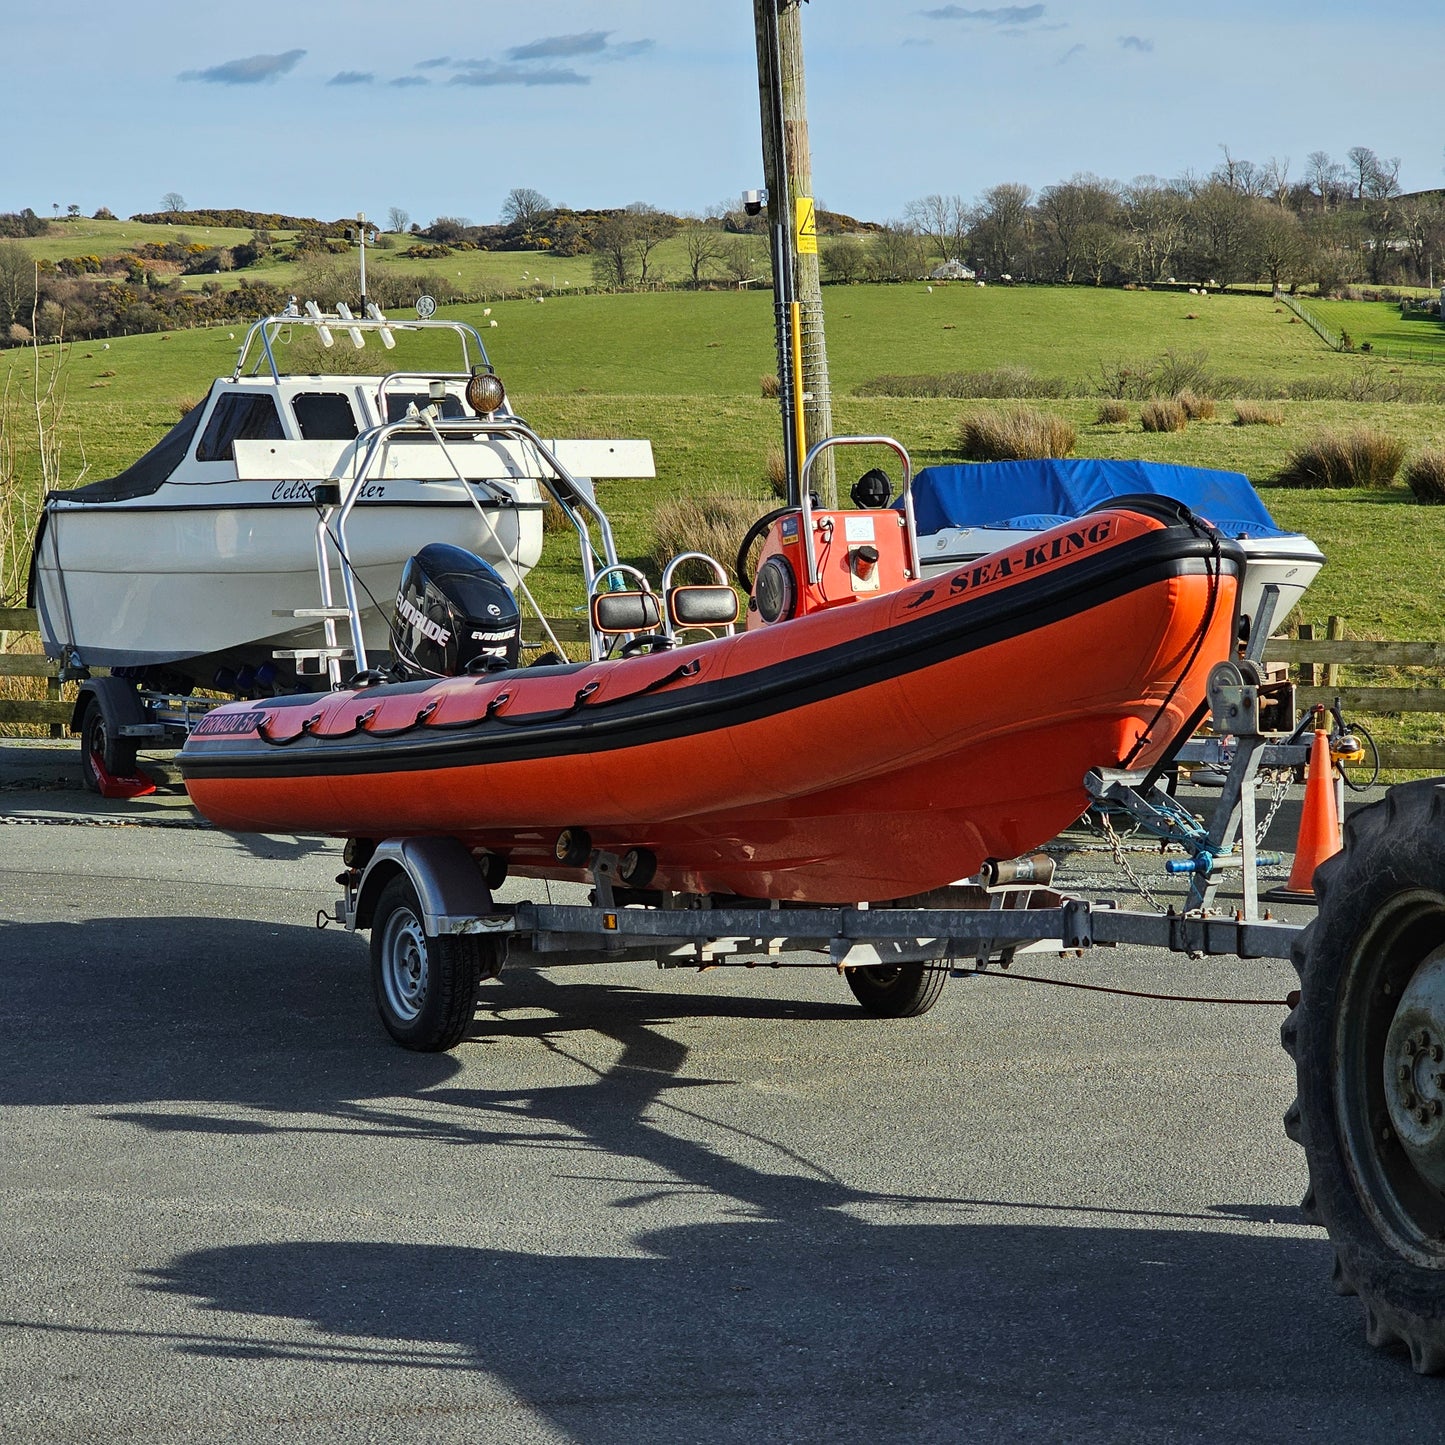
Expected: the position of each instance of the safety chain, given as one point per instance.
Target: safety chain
(1116, 845)
(14, 822)
(1281, 787)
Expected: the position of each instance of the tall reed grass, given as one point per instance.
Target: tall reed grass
(1359, 458)
(1163, 414)
(1015, 433)
(713, 524)
(1258, 413)
(1425, 476)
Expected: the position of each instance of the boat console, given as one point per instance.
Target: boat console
(815, 558)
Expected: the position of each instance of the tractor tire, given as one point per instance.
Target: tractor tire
(1368, 1040)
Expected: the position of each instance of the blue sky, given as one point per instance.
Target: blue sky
(326, 107)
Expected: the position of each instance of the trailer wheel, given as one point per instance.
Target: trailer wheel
(425, 987)
(897, 990)
(1368, 1040)
(97, 740)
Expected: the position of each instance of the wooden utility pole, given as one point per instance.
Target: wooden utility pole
(788, 174)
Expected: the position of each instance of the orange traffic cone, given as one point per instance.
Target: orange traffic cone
(1319, 826)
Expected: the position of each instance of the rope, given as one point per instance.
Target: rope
(1285, 1002)
(1201, 529)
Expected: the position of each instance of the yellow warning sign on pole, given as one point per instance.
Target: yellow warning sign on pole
(805, 226)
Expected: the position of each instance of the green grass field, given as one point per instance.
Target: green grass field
(85, 237)
(683, 369)
(1381, 326)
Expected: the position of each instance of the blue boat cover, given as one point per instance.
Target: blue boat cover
(1033, 495)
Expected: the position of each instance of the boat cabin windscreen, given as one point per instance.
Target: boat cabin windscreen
(241, 416)
(146, 474)
(397, 403)
(324, 416)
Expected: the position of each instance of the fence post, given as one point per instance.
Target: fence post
(1335, 631)
(52, 694)
(1307, 634)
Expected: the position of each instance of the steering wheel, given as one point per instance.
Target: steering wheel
(754, 532)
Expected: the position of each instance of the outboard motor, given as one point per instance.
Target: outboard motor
(454, 614)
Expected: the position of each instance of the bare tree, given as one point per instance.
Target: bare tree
(1100, 249)
(1275, 176)
(1240, 176)
(701, 242)
(1364, 164)
(612, 263)
(1154, 220)
(844, 259)
(1335, 240)
(1067, 210)
(745, 259)
(17, 285)
(1223, 231)
(1000, 226)
(895, 253)
(1325, 178)
(525, 207)
(649, 228)
(1384, 181)
(943, 221)
(1280, 244)
(1422, 228)
(173, 201)
(1382, 215)
(397, 220)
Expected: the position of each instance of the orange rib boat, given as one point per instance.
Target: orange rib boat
(861, 752)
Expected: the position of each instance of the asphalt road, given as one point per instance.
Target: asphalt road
(634, 1206)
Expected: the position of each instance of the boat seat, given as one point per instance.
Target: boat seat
(711, 605)
(614, 613)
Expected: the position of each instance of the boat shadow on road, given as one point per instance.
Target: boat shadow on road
(804, 1308)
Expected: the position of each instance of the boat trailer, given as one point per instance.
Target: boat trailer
(1009, 907)
(437, 930)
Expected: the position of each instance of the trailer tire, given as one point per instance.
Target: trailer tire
(1367, 1036)
(425, 986)
(897, 990)
(98, 739)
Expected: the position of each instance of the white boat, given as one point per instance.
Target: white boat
(214, 559)
(965, 512)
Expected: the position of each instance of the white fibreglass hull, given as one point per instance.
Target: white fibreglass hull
(155, 582)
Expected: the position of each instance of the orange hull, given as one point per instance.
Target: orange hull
(865, 752)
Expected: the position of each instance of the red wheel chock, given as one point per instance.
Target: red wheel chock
(120, 785)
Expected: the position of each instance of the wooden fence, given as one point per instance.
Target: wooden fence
(49, 712)
(1315, 662)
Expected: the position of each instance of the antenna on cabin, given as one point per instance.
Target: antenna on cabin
(324, 332)
(362, 232)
